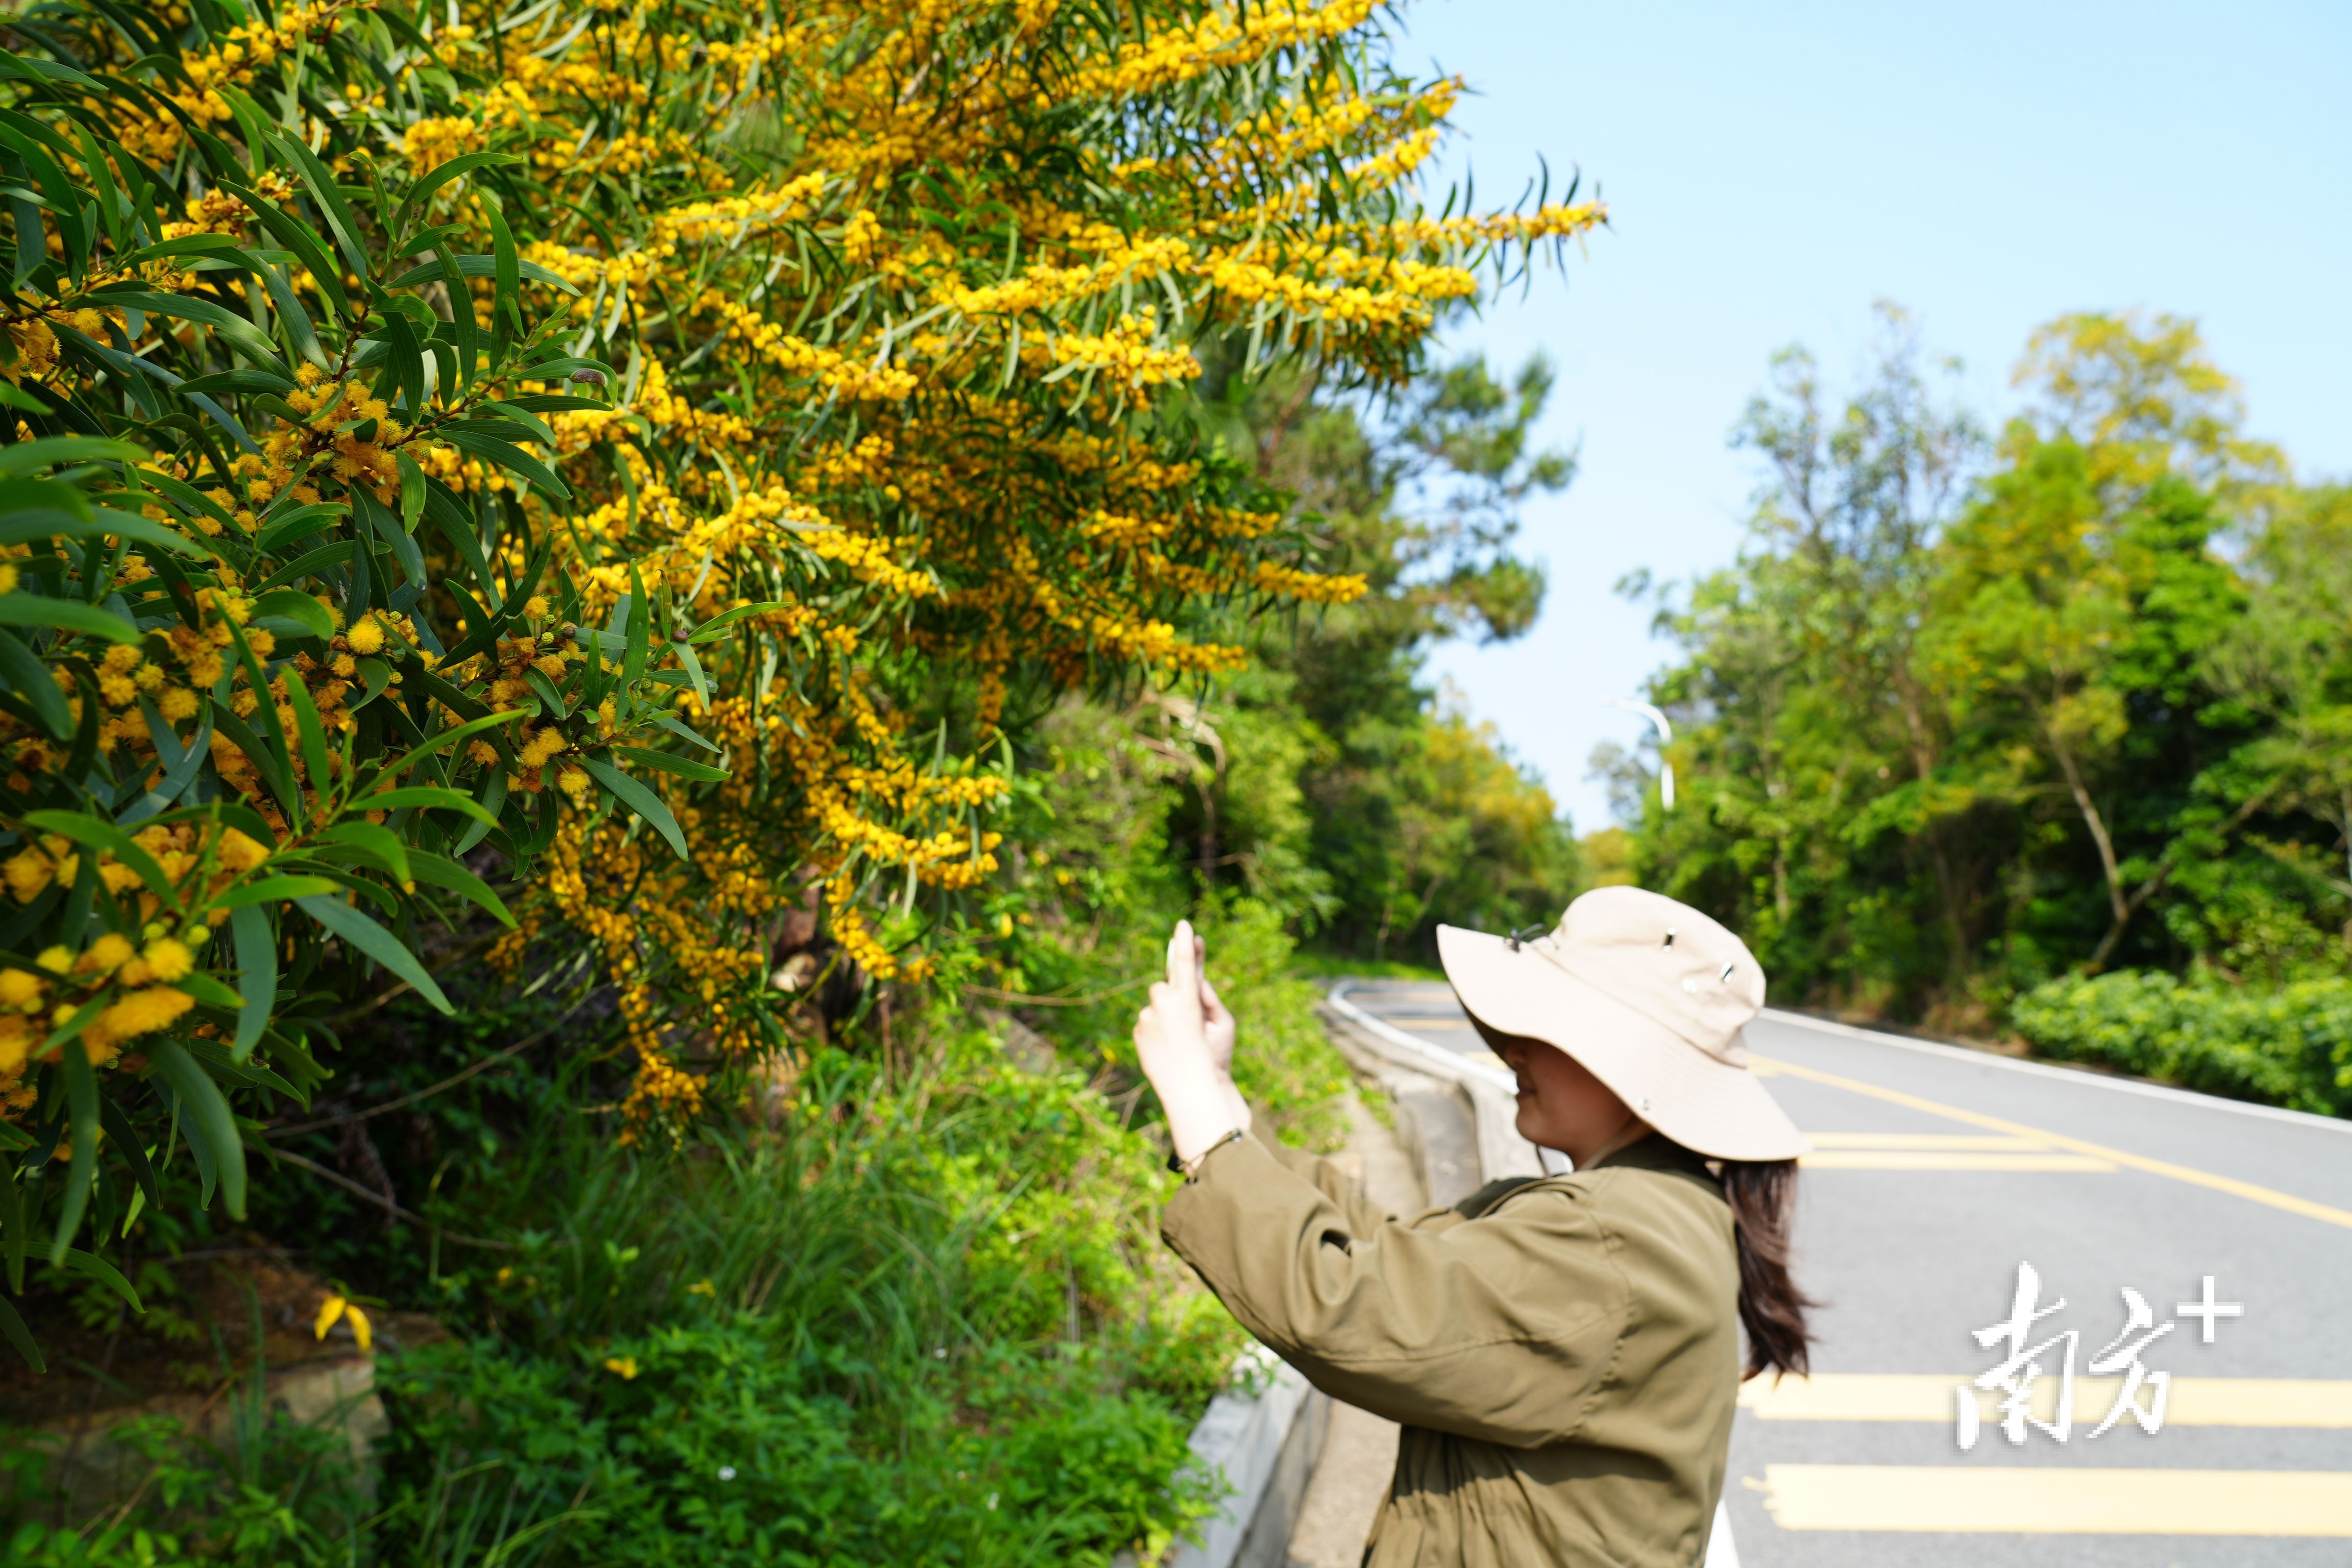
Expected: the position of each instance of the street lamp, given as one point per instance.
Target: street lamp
(1665, 735)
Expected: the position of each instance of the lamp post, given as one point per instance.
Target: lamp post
(1665, 734)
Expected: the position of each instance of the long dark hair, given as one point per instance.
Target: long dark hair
(1763, 1196)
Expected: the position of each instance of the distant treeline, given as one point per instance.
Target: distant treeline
(1974, 713)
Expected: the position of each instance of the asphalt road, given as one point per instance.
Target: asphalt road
(1937, 1173)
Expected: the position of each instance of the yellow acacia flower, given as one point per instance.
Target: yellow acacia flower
(337, 1309)
(168, 959)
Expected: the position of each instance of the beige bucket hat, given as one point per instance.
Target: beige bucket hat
(1651, 998)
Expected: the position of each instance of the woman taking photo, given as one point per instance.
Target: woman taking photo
(1563, 1353)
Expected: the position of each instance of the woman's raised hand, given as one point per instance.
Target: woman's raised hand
(1185, 1054)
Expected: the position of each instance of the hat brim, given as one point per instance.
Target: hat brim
(1701, 1102)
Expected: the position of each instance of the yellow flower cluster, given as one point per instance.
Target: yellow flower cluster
(1218, 40)
(883, 302)
(1129, 351)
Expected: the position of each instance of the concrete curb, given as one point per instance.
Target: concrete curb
(1265, 1446)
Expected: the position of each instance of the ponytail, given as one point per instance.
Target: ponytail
(1763, 1198)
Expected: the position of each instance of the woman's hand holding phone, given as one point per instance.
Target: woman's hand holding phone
(1184, 1038)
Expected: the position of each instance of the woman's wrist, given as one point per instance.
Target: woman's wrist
(1201, 1110)
(1235, 1106)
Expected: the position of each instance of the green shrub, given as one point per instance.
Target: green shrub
(926, 1318)
(2289, 1045)
(701, 1444)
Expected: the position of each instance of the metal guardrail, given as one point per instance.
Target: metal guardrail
(1419, 1052)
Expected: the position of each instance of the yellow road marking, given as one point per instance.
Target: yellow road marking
(2230, 1184)
(1937, 1160)
(1928, 1397)
(2059, 1500)
(1917, 1141)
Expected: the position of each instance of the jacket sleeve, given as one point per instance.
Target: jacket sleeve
(1499, 1329)
(1333, 1182)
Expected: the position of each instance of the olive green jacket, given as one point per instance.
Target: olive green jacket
(1563, 1353)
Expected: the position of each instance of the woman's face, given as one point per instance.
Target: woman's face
(1562, 1106)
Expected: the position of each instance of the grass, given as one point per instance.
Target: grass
(925, 1323)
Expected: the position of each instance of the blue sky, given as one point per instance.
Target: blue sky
(1772, 170)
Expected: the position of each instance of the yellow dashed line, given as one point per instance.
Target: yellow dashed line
(1933, 1160)
(1917, 1140)
(2230, 1184)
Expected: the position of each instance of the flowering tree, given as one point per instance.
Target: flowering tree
(645, 457)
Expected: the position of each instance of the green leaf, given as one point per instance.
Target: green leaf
(13, 1324)
(281, 772)
(685, 657)
(374, 676)
(239, 380)
(217, 246)
(81, 1101)
(677, 727)
(639, 632)
(422, 797)
(307, 731)
(509, 271)
(125, 1139)
(105, 1273)
(465, 732)
(205, 1119)
(268, 760)
(448, 874)
(674, 765)
(209, 992)
(545, 690)
(316, 561)
(508, 456)
(641, 800)
(321, 183)
(13, 1220)
(364, 933)
(147, 530)
(282, 528)
(493, 796)
(421, 190)
(538, 429)
(53, 451)
(484, 267)
(412, 492)
(22, 609)
(387, 528)
(306, 616)
(300, 241)
(231, 327)
(257, 962)
(97, 835)
(272, 891)
(28, 679)
(506, 302)
(725, 618)
(378, 844)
